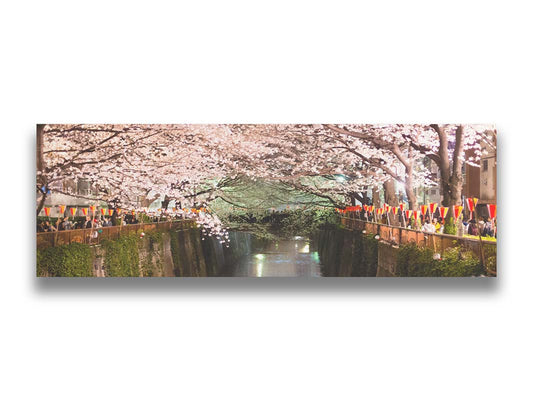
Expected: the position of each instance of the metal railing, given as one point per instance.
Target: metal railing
(96, 235)
(398, 235)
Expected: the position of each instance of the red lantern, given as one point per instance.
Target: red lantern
(457, 210)
(492, 210)
(443, 211)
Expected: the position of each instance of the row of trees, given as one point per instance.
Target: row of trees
(200, 163)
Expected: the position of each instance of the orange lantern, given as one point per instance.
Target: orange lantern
(457, 210)
(471, 203)
(47, 211)
(73, 211)
(492, 210)
(443, 211)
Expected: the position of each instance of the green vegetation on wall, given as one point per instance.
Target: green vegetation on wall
(71, 260)
(122, 256)
(417, 261)
(153, 264)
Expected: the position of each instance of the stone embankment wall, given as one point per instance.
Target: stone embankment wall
(162, 254)
(359, 253)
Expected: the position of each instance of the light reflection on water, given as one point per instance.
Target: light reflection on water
(280, 259)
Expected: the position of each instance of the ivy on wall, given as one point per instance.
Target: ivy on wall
(455, 262)
(122, 256)
(70, 260)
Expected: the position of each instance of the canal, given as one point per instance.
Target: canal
(283, 258)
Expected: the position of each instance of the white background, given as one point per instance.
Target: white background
(274, 61)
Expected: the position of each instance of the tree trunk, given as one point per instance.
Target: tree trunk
(451, 176)
(375, 197)
(409, 191)
(41, 180)
(390, 193)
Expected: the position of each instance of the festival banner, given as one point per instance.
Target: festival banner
(47, 211)
(62, 209)
(73, 211)
(432, 208)
(424, 210)
(103, 211)
(110, 211)
(402, 206)
(395, 210)
(443, 211)
(408, 214)
(92, 208)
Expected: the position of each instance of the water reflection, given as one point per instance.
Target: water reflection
(280, 259)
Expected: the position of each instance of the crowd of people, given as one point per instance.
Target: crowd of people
(483, 226)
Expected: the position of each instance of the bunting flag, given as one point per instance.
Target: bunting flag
(408, 214)
(395, 210)
(110, 211)
(132, 212)
(85, 211)
(432, 208)
(47, 211)
(387, 208)
(119, 210)
(492, 210)
(73, 211)
(415, 215)
(443, 211)
(371, 208)
(402, 206)
(424, 210)
(103, 211)
(62, 209)
(457, 210)
(92, 208)
(365, 207)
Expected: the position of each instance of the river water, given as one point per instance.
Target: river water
(282, 258)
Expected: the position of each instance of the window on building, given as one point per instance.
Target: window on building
(485, 165)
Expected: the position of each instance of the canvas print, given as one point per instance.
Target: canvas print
(266, 200)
